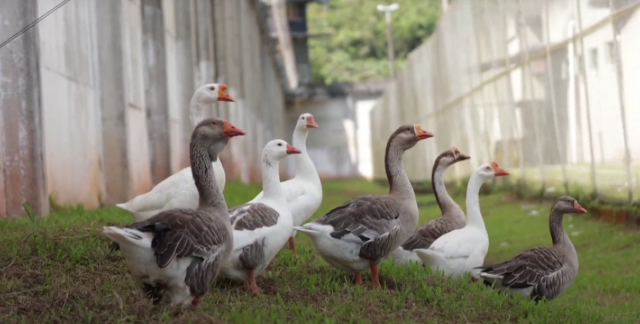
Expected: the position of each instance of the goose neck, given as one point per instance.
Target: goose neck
(304, 166)
(474, 217)
(447, 205)
(399, 184)
(559, 237)
(196, 111)
(210, 195)
(271, 177)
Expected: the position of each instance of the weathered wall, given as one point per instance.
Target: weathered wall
(94, 98)
(22, 162)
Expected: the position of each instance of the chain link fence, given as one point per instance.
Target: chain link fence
(548, 89)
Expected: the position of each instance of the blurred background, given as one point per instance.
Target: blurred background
(94, 98)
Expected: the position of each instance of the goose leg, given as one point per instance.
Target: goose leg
(196, 301)
(357, 279)
(374, 276)
(292, 245)
(250, 284)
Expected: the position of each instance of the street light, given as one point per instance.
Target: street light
(387, 12)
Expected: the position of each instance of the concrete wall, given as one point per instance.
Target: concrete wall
(94, 98)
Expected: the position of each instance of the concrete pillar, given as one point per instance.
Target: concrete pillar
(21, 142)
(203, 42)
(113, 102)
(186, 65)
(156, 91)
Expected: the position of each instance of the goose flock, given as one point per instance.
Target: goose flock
(184, 235)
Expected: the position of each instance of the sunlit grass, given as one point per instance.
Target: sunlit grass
(59, 269)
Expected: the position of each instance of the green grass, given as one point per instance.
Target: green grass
(59, 270)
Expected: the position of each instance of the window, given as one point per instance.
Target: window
(593, 58)
(611, 52)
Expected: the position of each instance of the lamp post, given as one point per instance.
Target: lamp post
(387, 12)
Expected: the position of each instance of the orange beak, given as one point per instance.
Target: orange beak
(421, 133)
(230, 131)
(578, 208)
(222, 93)
(292, 150)
(311, 122)
(498, 171)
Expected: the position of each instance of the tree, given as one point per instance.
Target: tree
(357, 46)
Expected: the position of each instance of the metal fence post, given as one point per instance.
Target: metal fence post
(585, 83)
(552, 91)
(524, 40)
(620, 79)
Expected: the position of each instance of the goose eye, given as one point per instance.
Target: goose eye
(212, 88)
(302, 118)
(214, 122)
(279, 144)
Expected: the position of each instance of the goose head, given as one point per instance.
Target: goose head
(215, 133)
(452, 156)
(213, 92)
(279, 149)
(568, 205)
(491, 170)
(306, 121)
(406, 136)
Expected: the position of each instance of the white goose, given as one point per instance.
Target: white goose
(452, 215)
(179, 190)
(461, 250)
(304, 191)
(262, 226)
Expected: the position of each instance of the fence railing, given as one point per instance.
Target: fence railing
(548, 89)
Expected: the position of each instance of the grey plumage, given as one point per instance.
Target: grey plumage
(428, 233)
(253, 216)
(366, 220)
(250, 217)
(543, 272)
(203, 236)
(252, 255)
(180, 233)
(452, 216)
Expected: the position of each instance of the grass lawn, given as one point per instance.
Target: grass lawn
(59, 270)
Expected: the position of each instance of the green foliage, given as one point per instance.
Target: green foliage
(357, 47)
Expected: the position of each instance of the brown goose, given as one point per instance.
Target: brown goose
(452, 215)
(176, 254)
(363, 231)
(544, 272)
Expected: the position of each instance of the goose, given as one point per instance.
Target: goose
(544, 272)
(262, 226)
(459, 251)
(179, 190)
(175, 255)
(452, 215)
(360, 233)
(304, 191)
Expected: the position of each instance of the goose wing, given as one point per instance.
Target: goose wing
(363, 219)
